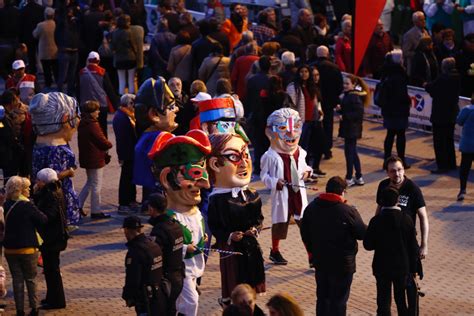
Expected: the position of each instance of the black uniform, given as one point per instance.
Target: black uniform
(144, 276)
(169, 236)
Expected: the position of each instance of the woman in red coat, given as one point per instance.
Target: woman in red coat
(93, 147)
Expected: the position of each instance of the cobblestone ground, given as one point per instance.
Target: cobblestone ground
(93, 264)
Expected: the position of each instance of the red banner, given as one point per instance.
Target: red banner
(367, 13)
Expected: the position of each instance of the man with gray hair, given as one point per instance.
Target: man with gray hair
(126, 138)
(412, 38)
(288, 74)
(330, 82)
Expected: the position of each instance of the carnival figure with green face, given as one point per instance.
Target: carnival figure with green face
(284, 171)
(179, 164)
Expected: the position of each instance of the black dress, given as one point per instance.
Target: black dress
(227, 214)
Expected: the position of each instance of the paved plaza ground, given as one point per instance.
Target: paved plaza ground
(93, 265)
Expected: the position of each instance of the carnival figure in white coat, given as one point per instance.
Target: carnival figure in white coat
(283, 171)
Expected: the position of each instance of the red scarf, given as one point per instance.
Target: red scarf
(332, 197)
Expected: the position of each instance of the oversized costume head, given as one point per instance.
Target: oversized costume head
(218, 116)
(284, 128)
(54, 114)
(155, 106)
(179, 163)
(229, 164)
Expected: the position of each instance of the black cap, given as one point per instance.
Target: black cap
(132, 222)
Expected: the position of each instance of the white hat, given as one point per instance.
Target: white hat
(47, 175)
(201, 96)
(17, 64)
(93, 55)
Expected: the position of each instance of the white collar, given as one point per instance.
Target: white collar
(235, 191)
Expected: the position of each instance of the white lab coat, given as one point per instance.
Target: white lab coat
(271, 166)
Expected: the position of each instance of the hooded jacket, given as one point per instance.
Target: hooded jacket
(330, 229)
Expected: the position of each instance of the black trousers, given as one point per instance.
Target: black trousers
(176, 280)
(127, 190)
(50, 69)
(332, 291)
(103, 111)
(384, 294)
(54, 282)
(401, 143)
(328, 126)
(443, 143)
(466, 164)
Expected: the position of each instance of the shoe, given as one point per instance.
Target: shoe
(461, 195)
(82, 212)
(350, 182)
(277, 258)
(71, 228)
(319, 173)
(224, 302)
(327, 156)
(47, 306)
(100, 215)
(359, 181)
(439, 171)
(313, 179)
(123, 210)
(34, 312)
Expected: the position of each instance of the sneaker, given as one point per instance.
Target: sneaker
(461, 195)
(319, 173)
(350, 182)
(277, 258)
(359, 181)
(123, 210)
(100, 215)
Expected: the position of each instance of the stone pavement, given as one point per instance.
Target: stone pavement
(93, 264)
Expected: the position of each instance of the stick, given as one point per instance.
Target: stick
(301, 186)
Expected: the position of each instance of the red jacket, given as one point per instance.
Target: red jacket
(343, 54)
(239, 74)
(27, 81)
(93, 145)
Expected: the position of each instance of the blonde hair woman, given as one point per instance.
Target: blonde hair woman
(22, 219)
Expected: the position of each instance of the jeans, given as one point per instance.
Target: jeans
(127, 190)
(126, 76)
(54, 282)
(401, 143)
(466, 164)
(67, 71)
(443, 143)
(23, 270)
(384, 295)
(332, 291)
(352, 158)
(50, 69)
(94, 185)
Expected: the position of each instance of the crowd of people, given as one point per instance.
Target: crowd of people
(223, 76)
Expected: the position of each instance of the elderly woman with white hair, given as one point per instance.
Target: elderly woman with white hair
(55, 117)
(49, 198)
(395, 103)
(21, 243)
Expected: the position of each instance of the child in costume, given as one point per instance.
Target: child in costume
(235, 214)
(179, 163)
(283, 171)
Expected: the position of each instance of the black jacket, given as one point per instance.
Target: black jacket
(330, 83)
(253, 101)
(445, 92)
(21, 224)
(50, 200)
(169, 236)
(352, 112)
(392, 235)
(30, 16)
(330, 230)
(395, 99)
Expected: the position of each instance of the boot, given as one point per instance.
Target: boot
(34, 312)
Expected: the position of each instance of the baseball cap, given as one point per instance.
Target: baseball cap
(93, 55)
(201, 96)
(132, 222)
(18, 64)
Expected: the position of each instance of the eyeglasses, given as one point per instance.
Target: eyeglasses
(236, 158)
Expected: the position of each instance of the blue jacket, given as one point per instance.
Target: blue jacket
(466, 120)
(125, 136)
(142, 174)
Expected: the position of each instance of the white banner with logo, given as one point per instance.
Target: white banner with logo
(421, 104)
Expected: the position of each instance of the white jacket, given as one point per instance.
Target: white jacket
(272, 170)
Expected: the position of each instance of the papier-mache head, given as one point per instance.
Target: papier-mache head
(284, 127)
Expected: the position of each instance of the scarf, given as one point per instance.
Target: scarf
(130, 113)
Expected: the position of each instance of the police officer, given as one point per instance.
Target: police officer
(169, 236)
(144, 274)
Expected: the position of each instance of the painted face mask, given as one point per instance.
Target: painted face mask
(287, 128)
(194, 172)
